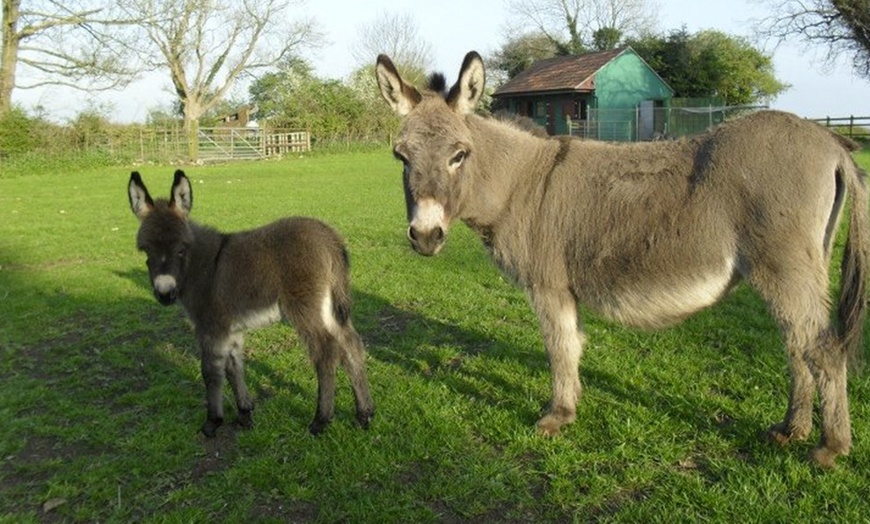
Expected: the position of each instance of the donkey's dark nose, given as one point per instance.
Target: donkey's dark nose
(428, 242)
(168, 298)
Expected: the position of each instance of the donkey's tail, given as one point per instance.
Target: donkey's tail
(852, 307)
(341, 300)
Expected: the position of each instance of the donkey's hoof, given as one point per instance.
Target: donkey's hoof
(825, 457)
(318, 426)
(364, 418)
(209, 428)
(245, 420)
(550, 425)
(780, 433)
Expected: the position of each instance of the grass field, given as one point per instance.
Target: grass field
(101, 398)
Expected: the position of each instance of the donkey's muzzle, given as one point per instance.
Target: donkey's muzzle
(167, 299)
(428, 242)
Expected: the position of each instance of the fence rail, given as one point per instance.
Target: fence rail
(851, 126)
(658, 123)
(215, 144)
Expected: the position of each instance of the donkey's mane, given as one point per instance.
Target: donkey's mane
(438, 84)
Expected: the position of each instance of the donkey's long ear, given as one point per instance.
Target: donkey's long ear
(466, 92)
(401, 96)
(140, 200)
(182, 194)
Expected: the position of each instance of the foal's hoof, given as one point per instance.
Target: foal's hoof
(364, 418)
(318, 426)
(245, 420)
(209, 428)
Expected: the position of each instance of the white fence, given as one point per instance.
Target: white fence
(233, 143)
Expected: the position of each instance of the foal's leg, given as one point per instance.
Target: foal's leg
(353, 360)
(557, 315)
(325, 356)
(214, 352)
(235, 370)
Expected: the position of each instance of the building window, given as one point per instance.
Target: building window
(541, 109)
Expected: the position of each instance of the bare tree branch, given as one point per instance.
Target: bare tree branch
(62, 43)
(834, 27)
(206, 45)
(571, 24)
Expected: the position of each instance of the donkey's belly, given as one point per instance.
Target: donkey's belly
(256, 318)
(654, 304)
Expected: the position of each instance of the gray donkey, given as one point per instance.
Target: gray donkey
(296, 268)
(647, 234)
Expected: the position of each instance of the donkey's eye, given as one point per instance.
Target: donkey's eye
(400, 157)
(457, 158)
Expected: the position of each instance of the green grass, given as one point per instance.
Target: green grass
(101, 399)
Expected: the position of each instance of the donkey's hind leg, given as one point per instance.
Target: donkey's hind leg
(799, 301)
(324, 355)
(557, 315)
(353, 359)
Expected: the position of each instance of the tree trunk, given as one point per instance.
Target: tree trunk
(191, 128)
(9, 58)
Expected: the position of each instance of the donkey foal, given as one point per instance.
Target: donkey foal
(297, 268)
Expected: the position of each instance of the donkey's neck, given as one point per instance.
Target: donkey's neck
(204, 258)
(507, 162)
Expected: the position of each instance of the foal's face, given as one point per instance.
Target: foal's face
(165, 238)
(164, 234)
(434, 147)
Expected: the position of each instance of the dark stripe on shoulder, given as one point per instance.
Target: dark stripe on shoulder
(561, 154)
(224, 239)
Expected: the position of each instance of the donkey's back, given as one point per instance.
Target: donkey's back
(653, 232)
(301, 268)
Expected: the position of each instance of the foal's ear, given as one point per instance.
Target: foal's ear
(466, 92)
(140, 200)
(182, 194)
(401, 96)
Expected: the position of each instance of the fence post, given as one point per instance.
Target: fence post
(851, 124)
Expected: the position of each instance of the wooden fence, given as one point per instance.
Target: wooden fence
(233, 143)
(850, 126)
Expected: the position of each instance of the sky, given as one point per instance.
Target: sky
(454, 27)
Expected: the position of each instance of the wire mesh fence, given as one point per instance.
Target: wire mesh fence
(653, 123)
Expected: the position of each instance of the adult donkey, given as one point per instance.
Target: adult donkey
(647, 234)
(230, 282)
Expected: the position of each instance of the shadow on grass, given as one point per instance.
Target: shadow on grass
(106, 373)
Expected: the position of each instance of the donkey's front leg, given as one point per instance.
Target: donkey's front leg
(235, 370)
(213, 358)
(557, 314)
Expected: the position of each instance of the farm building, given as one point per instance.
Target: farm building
(611, 95)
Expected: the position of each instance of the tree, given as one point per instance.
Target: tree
(575, 26)
(206, 45)
(841, 26)
(397, 36)
(62, 43)
(294, 97)
(711, 63)
(518, 53)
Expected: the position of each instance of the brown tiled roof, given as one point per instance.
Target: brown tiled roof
(562, 73)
